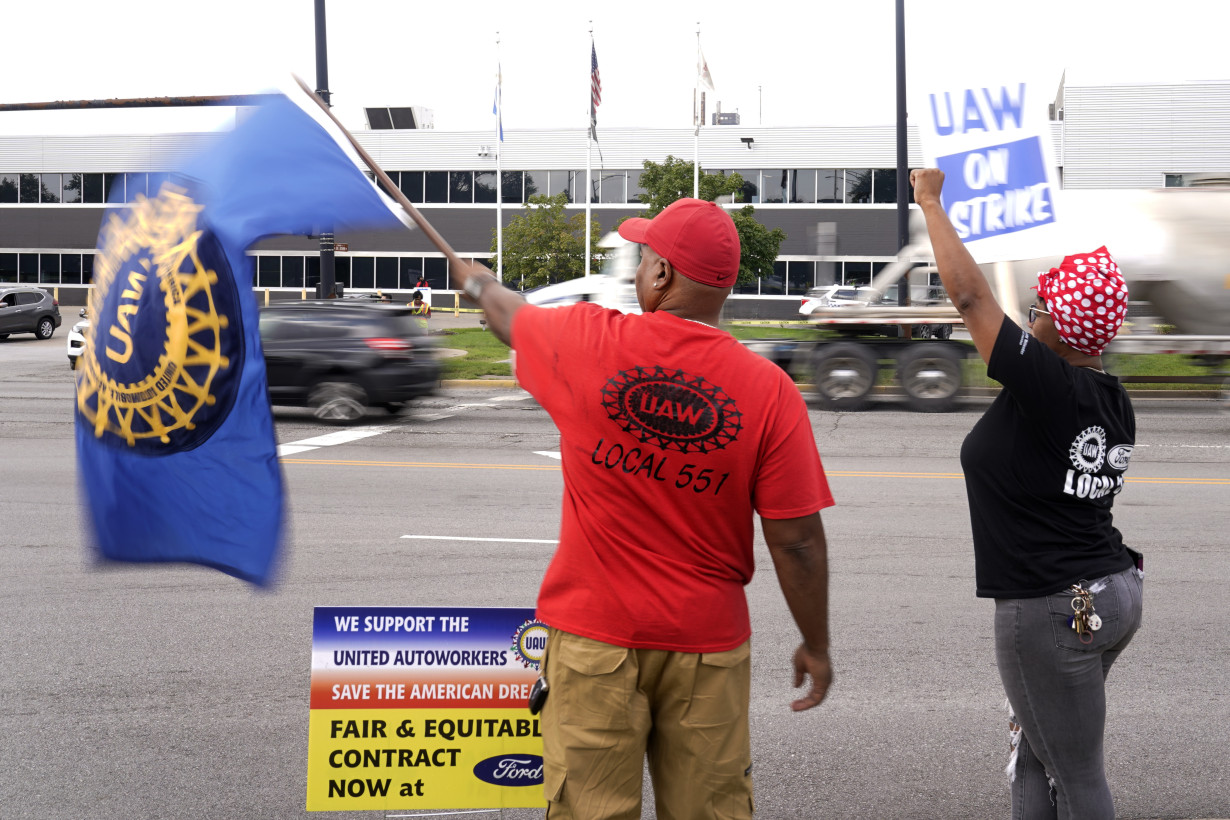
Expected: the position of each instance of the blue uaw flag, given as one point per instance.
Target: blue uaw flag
(175, 444)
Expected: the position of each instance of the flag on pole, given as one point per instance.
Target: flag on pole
(703, 78)
(175, 444)
(497, 107)
(595, 91)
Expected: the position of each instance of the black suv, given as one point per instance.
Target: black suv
(28, 310)
(340, 357)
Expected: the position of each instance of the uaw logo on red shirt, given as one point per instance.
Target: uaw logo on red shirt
(672, 409)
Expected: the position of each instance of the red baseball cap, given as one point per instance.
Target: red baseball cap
(698, 238)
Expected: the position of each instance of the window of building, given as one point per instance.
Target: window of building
(269, 271)
(410, 269)
(774, 186)
(635, 189)
(579, 182)
(363, 272)
(858, 186)
(70, 269)
(829, 185)
(856, 273)
(8, 267)
(113, 187)
(8, 188)
(311, 271)
(92, 188)
(511, 183)
(803, 185)
(614, 189)
(751, 186)
(27, 268)
(29, 185)
(437, 187)
(49, 268)
(87, 268)
(341, 270)
(412, 185)
(72, 188)
(461, 187)
(752, 289)
(801, 277)
(386, 272)
(536, 184)
(435, 268)
(51, 191)
(884, 186)
(484, 187)
(292, 271)
(774, 285)
(560, 182)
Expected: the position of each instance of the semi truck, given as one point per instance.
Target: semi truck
(1173, 246)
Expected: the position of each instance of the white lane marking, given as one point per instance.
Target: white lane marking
(522, 397)
(1190, 446)
(466, 538)
(346, 436)
(292, 449)
(546, 453)
(330, 439)
(467, 406)
(432, 416)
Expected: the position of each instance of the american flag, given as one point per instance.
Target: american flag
(595, 91)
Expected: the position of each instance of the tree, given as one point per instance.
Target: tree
(672, 180)
(544, 244)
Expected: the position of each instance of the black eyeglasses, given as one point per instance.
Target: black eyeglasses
(1034, 310)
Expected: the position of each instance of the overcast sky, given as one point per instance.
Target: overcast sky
(778, 62)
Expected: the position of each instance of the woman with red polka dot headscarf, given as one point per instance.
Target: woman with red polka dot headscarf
(1042, 469)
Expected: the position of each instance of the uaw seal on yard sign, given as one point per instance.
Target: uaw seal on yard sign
(672, 410)
(159, 369)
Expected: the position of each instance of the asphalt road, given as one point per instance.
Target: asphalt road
(154, 692)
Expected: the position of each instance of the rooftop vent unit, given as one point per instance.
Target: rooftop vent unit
(399, 119)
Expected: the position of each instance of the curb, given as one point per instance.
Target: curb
(479, 383)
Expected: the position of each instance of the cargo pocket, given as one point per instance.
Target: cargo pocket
(721, 688)
(594, 681)
(553, 785)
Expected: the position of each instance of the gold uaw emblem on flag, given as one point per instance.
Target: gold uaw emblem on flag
(163, 329)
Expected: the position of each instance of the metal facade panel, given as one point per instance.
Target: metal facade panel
(1118, 136)
(99, 153)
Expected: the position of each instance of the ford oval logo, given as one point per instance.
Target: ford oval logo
(510, 770)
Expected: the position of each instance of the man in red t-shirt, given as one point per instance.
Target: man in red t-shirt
(672, 434)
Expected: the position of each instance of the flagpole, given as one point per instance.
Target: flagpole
(499, 167)
(421, 221)
(589, 142)
(697, 108)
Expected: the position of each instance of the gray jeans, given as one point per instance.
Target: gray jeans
(1056, 688)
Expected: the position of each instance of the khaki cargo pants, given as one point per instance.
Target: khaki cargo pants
(609, 707)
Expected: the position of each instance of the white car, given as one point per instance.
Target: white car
(76, 340)
(614, 286)
(835, 296)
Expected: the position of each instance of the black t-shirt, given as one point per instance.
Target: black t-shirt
(1042, 468)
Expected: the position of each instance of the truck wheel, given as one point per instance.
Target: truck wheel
(941, 331)
(845, 373)
(930, 374)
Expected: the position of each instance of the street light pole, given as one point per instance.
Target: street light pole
(903, 158)
(328, 270)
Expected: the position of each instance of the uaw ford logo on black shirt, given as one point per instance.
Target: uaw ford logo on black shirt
(161, 365)
(672, 409)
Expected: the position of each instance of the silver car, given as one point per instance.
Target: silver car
(25, 309)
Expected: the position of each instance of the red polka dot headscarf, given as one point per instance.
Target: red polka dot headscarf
(1087, 298)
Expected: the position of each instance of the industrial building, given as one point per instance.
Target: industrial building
(831, 189)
